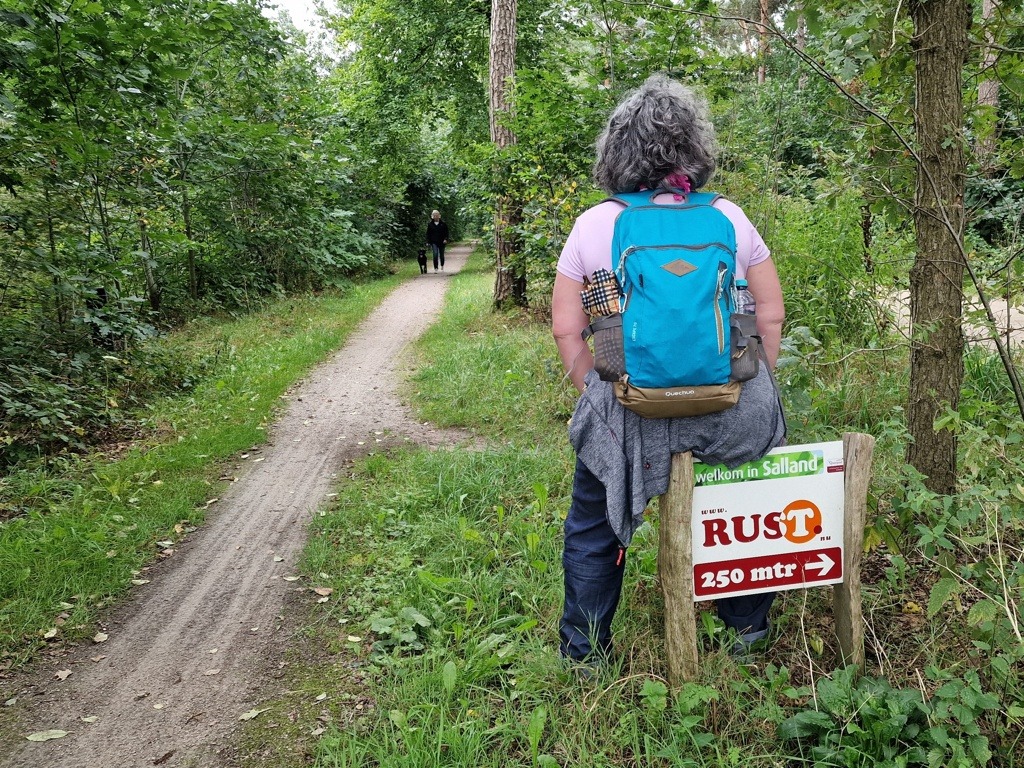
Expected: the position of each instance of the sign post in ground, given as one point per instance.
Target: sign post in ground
(791, 520)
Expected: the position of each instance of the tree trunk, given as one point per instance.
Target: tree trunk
(988, 92)
(936, 279)
(801, 44)
(503, 63)
(763, 45)
(186, 220)
(153, 290)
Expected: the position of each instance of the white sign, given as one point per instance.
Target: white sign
(769, 525)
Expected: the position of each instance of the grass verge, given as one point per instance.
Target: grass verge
(82, 529)
(438, 644)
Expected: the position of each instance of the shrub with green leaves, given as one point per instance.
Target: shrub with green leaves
(867, 723)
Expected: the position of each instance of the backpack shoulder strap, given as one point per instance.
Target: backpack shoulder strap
(627, 199)
(702, 198)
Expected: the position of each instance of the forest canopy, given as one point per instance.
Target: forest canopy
(162, 160)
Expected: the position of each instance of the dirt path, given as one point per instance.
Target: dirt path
(217, 603)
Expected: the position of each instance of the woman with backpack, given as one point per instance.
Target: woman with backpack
(659, 139)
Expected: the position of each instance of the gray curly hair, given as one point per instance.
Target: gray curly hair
(659, 129)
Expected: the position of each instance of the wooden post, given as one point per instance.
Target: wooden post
(675, 570)
(846, 599)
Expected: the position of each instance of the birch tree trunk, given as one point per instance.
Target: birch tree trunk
(936, 279)
(502, 76)
(763, 45)
(988, 91)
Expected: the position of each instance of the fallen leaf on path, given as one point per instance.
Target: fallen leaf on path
(257, 461)
(318, 732)
(63, 674)
(165, 543)
(252, 713)
(291, 578)
(323, 591)
(212, 650)
(158, 706)
(50, 633)
(11, 702)
(89, 719)
(46, 735)
(210, 501)
(321, 697)
(324, 600)
(209, 672)
(164, 757)
(140, 582)
(97, 658)
(278, 559)
(100, 637)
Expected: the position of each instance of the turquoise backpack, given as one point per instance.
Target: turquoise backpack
(675, 265)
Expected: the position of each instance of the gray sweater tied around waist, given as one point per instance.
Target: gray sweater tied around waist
(632, 456)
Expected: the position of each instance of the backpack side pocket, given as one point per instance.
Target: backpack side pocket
(746, 347)
(609, 355)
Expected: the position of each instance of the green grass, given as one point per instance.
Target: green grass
(493, 372)
(83, 528)
(447, 579)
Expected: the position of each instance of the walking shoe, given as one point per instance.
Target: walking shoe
(749, 643)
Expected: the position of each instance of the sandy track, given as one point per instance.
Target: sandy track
(217, 604)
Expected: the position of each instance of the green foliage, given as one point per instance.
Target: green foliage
(865, 722)
(158, 161)
(400, 633)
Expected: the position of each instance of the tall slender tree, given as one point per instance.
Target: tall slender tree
(936, 279)
(507, 284)
(988, 88)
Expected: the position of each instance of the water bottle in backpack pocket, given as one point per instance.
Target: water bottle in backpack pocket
(744, 339)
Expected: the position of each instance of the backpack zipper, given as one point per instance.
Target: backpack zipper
(719, 321)
(621, 271)
(634, 248)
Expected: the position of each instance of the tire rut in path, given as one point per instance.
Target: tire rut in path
(216, 603)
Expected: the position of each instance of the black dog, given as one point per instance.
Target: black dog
(421, 257)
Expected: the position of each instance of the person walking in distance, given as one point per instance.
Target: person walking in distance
(437, 238)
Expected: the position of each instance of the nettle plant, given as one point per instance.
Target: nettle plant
(867, 723)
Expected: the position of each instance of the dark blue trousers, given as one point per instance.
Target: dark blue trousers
(594, 562)
(438, 251)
